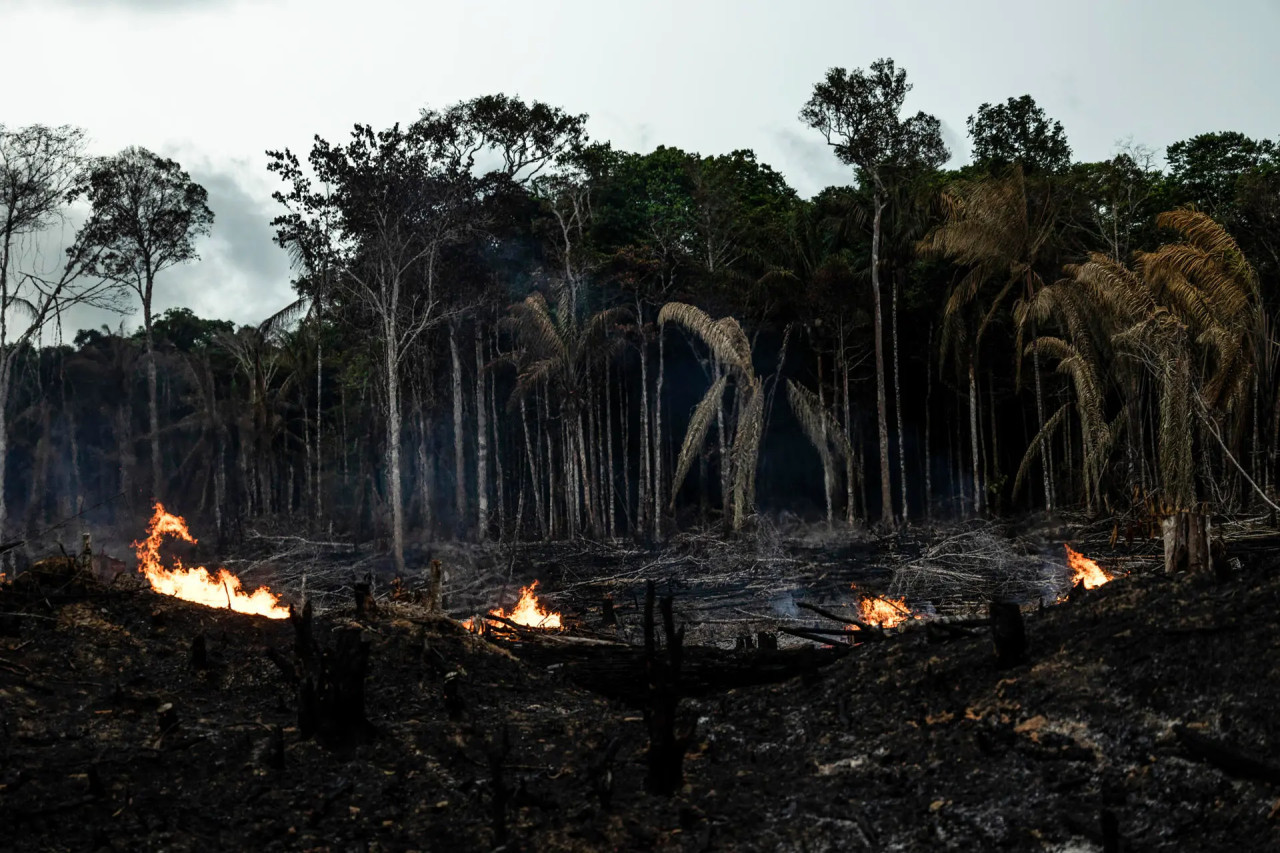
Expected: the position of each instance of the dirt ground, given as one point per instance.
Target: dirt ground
(1146, 707)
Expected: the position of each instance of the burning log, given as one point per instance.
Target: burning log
(1009, 632)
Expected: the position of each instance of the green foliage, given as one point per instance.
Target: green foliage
(1018, 131)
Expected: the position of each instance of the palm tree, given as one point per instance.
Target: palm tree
(555, 353)
(1190, 314)
(732, 351)
(990, 228)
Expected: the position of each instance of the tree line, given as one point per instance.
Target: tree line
(505, 329)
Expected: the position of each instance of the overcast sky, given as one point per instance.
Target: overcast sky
(214, 83)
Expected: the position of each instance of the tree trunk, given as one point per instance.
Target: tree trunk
(725, 473)
(153, 413)
(425, 470)
(928, 421)
(394, 484)
(499, 480)
(657, 439)
(612, 509)
(642, 484)
(1186, 543)
(882, 416)
(897, 400)
(459, 456)
(973, 435)
(482, 442)
(1045, 463)
(534, 480)
(823, 452)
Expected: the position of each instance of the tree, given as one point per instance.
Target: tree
(858, 113)
(146, 215)
(1204, 170)
(992, 229)
(1018, 131)
(40, 172)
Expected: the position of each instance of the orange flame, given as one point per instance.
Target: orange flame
(1084, 570)
(881, 611)
(221, 590)
(527, 611)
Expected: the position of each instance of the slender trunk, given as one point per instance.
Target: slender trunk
(928, 420)
(1046, 462)
(994, 429)
(612, 510)
(725, 473)
(642, 484)
(459, 457)
(550, 467)
(534, 480)
(657, 439)
(823, 451)
(624, 425)
(394, 484)
(153, 414)
(897, 399)
(882, 416)
(499, 481)
(973, 435)
(482, 442)
(318, 483)
(4, 443)
(850, 465)
(424, 469)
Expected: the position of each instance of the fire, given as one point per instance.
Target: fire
(221, 590)
(527, 611)
(1084, 570)
(881, 611)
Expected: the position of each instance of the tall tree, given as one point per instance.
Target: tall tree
(859, 115)
(146, 215)
(1018, 131)
(40, 170)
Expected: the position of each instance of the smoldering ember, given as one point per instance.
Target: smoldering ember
(583, 498)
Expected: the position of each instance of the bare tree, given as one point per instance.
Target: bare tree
(40, 172)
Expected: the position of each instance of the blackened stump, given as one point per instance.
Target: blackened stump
(1009, 633)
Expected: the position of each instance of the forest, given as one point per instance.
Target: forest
(517, 354)
(505, 330)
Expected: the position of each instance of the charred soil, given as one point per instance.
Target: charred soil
(1143, 719)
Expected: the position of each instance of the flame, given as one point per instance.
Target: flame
(221, 590)
(1084, 570)
(881, 611)
(527, 611)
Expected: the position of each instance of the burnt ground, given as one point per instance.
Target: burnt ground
(1147, 705)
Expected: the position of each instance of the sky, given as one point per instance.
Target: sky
(213, 84)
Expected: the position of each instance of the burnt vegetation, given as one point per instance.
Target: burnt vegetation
(794, 475)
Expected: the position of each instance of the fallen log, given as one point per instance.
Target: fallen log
(1226, 758)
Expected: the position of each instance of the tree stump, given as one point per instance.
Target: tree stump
(1009, 633)
(666, 748)
(435, 584)
(1186, 543)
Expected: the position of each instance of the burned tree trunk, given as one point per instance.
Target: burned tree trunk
(1009, 633)
(1186, 542)
(666, 748)
(330, 684)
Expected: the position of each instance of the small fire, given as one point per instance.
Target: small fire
(881, 611)
(528, 611)
(221, 590)
(1084, 570)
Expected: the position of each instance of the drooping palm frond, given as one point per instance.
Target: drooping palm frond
(818, 423)
(696, 433)
(1033, 447)
(727, 342)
